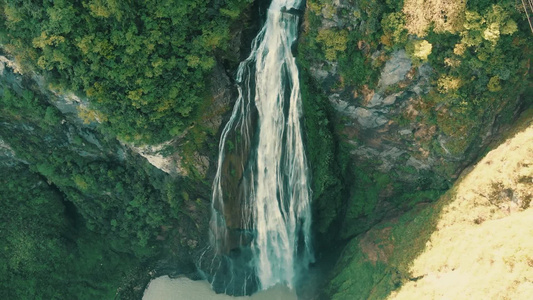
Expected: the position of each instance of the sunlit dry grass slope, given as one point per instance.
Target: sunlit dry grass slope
(482, 247)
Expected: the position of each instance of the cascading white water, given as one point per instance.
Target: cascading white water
(271, 168)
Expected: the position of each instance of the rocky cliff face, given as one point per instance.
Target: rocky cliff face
(408, 112)
(392, 112)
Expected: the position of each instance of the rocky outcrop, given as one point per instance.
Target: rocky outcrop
(395, 127)
(382, 123)
(7, 155)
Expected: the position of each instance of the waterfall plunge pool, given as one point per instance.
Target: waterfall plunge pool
(166, 288)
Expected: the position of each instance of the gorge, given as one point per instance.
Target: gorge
(140, 139)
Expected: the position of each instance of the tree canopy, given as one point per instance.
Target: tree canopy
(143, 64)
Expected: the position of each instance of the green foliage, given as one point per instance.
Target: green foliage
(480, 5)
(394, 30)
(394, 5)
(52, 116)
(418, 50)
(332, 42)
(321, 155)
(377, 263)
(45, 253)
(480, 70)
(143, 64)
(494, 84)
(355, 278)
(371, 21)
(14, 105)
(355, 68)
(372, 12)
(121, 206)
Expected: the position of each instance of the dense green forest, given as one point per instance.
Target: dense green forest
(479, 57)
(47, 253)
(143, 63)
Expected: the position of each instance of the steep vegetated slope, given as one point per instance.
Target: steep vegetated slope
(402, 96)
(47, 253)
(481, 246)
(106, 213)
(90, 79)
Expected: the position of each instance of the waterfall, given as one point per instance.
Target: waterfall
(261, 195)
